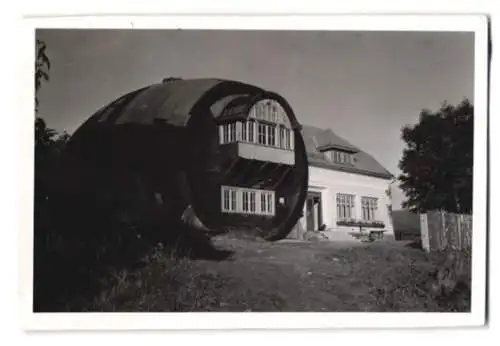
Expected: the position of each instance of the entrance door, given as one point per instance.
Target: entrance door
(313, 211)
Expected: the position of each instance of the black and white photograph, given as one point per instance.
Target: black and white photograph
(182, 170)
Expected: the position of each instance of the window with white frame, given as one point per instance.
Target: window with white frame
(271, 135)
(244, 131)
(232, 132)
(225, 133)
(270, 203)
(229, 200)
(369, 208)
(252, 201)
(345, 206)
(262, 131)
(251, 132)
(247, 201)
(340, 157)
(284, 137)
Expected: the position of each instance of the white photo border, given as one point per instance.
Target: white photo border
(478, 24)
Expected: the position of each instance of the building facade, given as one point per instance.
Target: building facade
(347, 189)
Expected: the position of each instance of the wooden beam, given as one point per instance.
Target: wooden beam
(258, 175)
(229, 170)
(271, 176)
(285, 173)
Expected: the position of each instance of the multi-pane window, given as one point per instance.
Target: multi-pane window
(340, 157)
(369, 208)
(252, 201)
(345, 206)
(232, 132)
(233, 200)
(266, 134)
(284, 137)
(244, 132)
(262, 134)
(249, 125)
(225, 133)
(271, 135)
(270, 203)
(247, 201)
(229, 199)
(267, 124)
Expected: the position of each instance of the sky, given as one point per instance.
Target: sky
(365, 86)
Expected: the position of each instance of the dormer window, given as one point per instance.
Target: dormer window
(340, 157)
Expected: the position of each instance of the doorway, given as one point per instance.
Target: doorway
(314, 217)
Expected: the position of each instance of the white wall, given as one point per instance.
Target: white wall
(330, 182)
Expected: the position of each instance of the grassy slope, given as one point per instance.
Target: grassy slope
(292, 276)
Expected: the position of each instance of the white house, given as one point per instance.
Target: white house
(347, 188)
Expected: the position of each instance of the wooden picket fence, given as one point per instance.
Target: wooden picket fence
(441, 231)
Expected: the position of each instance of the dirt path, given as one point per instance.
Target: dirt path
(290, 276)
(287, 276)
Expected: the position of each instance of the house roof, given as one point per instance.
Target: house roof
(406, 221)
(317, 140)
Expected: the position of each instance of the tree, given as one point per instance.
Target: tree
(438, 160)
(48, 142)
(42, 67)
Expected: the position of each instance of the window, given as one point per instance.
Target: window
(369, 208)
(228, 199)
(271, 137)
(262, 134)
(233, 200)
(252, 202)
(247, 201)
(250, 131)
(340, 157)
(345, 206)
(263, 203)
(274, 117)
(285, 137)
(270, 203)
(232, 132)
(225, 131)
(244, 127)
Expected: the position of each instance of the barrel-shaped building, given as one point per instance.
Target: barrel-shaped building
(230, 152)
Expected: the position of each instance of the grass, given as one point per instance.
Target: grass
(295, 277)
(404, 280)
(164, 283)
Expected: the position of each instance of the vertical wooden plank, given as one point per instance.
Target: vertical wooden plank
(442, 232)
(459, 231)
(424, 232)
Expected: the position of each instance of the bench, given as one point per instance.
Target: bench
(376, 234)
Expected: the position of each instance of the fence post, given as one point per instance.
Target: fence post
(459, 221)
(424, 232)
(443, 232)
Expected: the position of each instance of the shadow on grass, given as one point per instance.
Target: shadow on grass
(70, 271)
